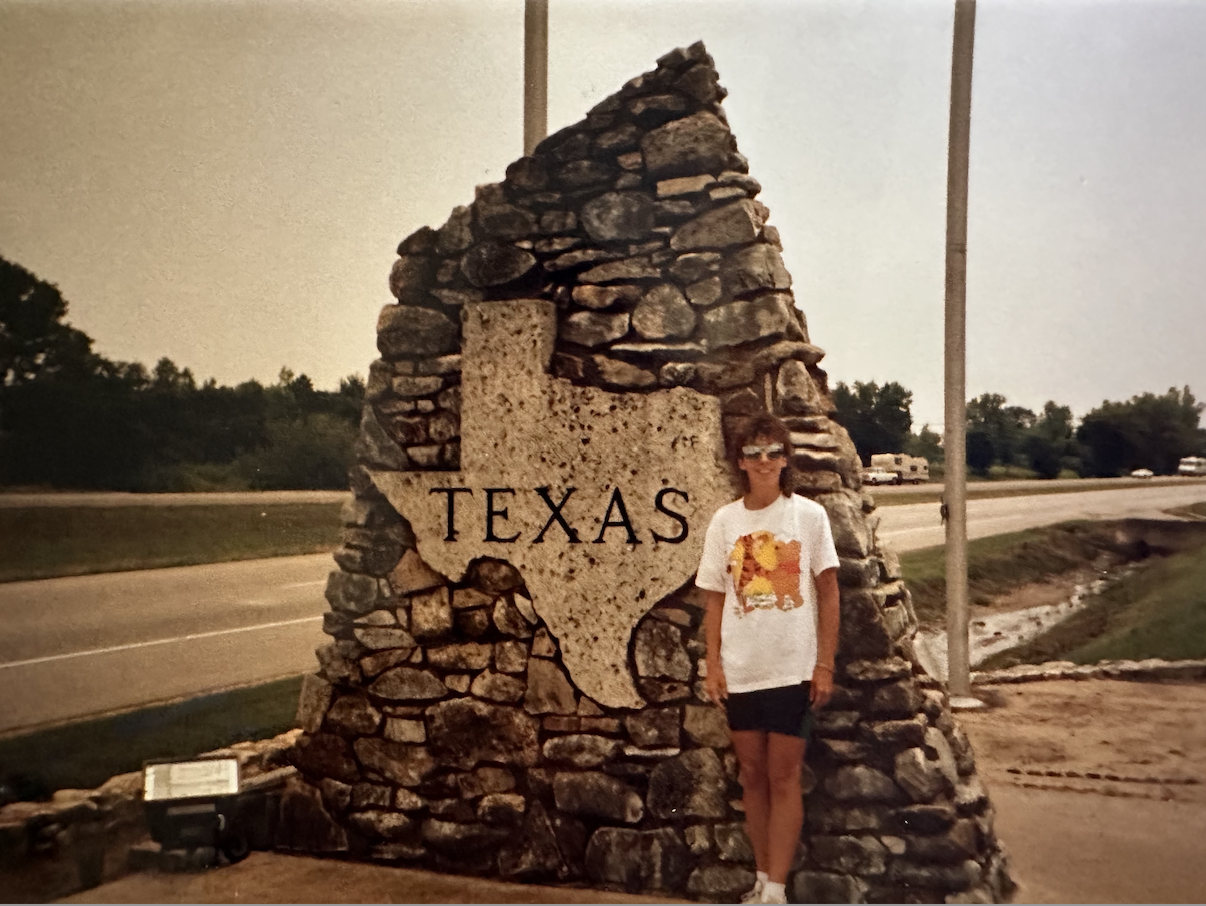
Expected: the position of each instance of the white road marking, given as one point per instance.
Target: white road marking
(181, 638)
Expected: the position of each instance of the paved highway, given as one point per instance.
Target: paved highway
(92, 644)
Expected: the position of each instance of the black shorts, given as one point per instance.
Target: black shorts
(784, 709)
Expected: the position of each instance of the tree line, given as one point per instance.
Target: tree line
(1148, 431)
(70, 418)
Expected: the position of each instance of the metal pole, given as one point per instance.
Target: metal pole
(955, 443)
(535, 73)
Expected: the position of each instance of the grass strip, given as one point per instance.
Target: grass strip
(1159, 611)
(49, 542)
(1000, 563)
(985, 490)
(85, 754)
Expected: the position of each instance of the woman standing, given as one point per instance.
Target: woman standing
(769, 571)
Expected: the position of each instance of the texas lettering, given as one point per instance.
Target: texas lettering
(494, 504)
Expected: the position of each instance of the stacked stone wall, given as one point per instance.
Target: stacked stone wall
(443, 728)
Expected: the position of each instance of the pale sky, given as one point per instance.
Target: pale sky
(224, 183)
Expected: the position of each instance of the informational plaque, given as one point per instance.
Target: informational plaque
(191, 779)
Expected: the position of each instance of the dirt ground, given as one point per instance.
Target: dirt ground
(1099, 788)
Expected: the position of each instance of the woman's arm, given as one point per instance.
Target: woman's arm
(715, 684)
(828, 621)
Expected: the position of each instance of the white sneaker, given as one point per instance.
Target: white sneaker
(754, 894)
(779, 896)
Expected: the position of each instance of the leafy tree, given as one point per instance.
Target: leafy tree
(998, 428)
(1049, 445)
(926, 443)
(1148, 431)
(877, 418)
(35, 342)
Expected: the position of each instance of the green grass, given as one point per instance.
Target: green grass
(1000, 563)
(984, 490)
(1158, 611)
(84, 755)
(47, 542)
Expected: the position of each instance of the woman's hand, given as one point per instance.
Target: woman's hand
(821, 689)
(715, 684)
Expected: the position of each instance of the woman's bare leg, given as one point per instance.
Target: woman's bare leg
(785, 818)
(751, 749)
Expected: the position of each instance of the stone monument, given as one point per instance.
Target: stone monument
(514, 683)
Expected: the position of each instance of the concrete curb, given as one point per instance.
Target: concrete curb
(1150, 670)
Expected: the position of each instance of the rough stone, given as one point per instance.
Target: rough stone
(663, 314)
(937, 745)
(464, 732)
(705, 292)
(495, 264)
(467, 656)
(797, 392)
(706, 725)
(405, 765)
(485, 780)
(595, 795)
(921, 778)
(354, 714)
(430, 614)
(406, 330)
(549, 691)
(733, 843)
(725, 881)
(511, 656)
(625, 270)
(325, 755)
(944, 878)
(378, 638)
(720, 228)
(653, 110)
(700, 143)
(456, 839)
(378, 823)
(691, 785)
(875, 671)
(659, 652)
(496, 687)
(401, 730)
(581, 750)
(407, 684)
(351, 593)
(592, 328)
(695, 266)
(313, 702)
(756, 267)
(618, 215)
(622, 376)
(600, 297)
(654, 727)
(826, 887)
(338, 661)
(740, 322)
(504, 221)
(862, 855)
(952, 847)
(900, 700)
(861, 783)
(894, 734)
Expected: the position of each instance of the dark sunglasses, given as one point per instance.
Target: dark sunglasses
(772, 451)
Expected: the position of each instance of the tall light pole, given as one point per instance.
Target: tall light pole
(535, 73)
(955, 442)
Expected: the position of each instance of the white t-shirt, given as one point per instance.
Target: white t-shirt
(764, 561)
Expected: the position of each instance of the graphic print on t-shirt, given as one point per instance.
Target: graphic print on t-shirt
(766, 572)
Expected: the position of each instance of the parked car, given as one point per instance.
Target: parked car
(1192, 465)
(1142, 473)
(879, 475)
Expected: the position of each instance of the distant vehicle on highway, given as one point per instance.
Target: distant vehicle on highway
(1192, 465)
(879, 475)
(1142, 473)
(908, 469)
